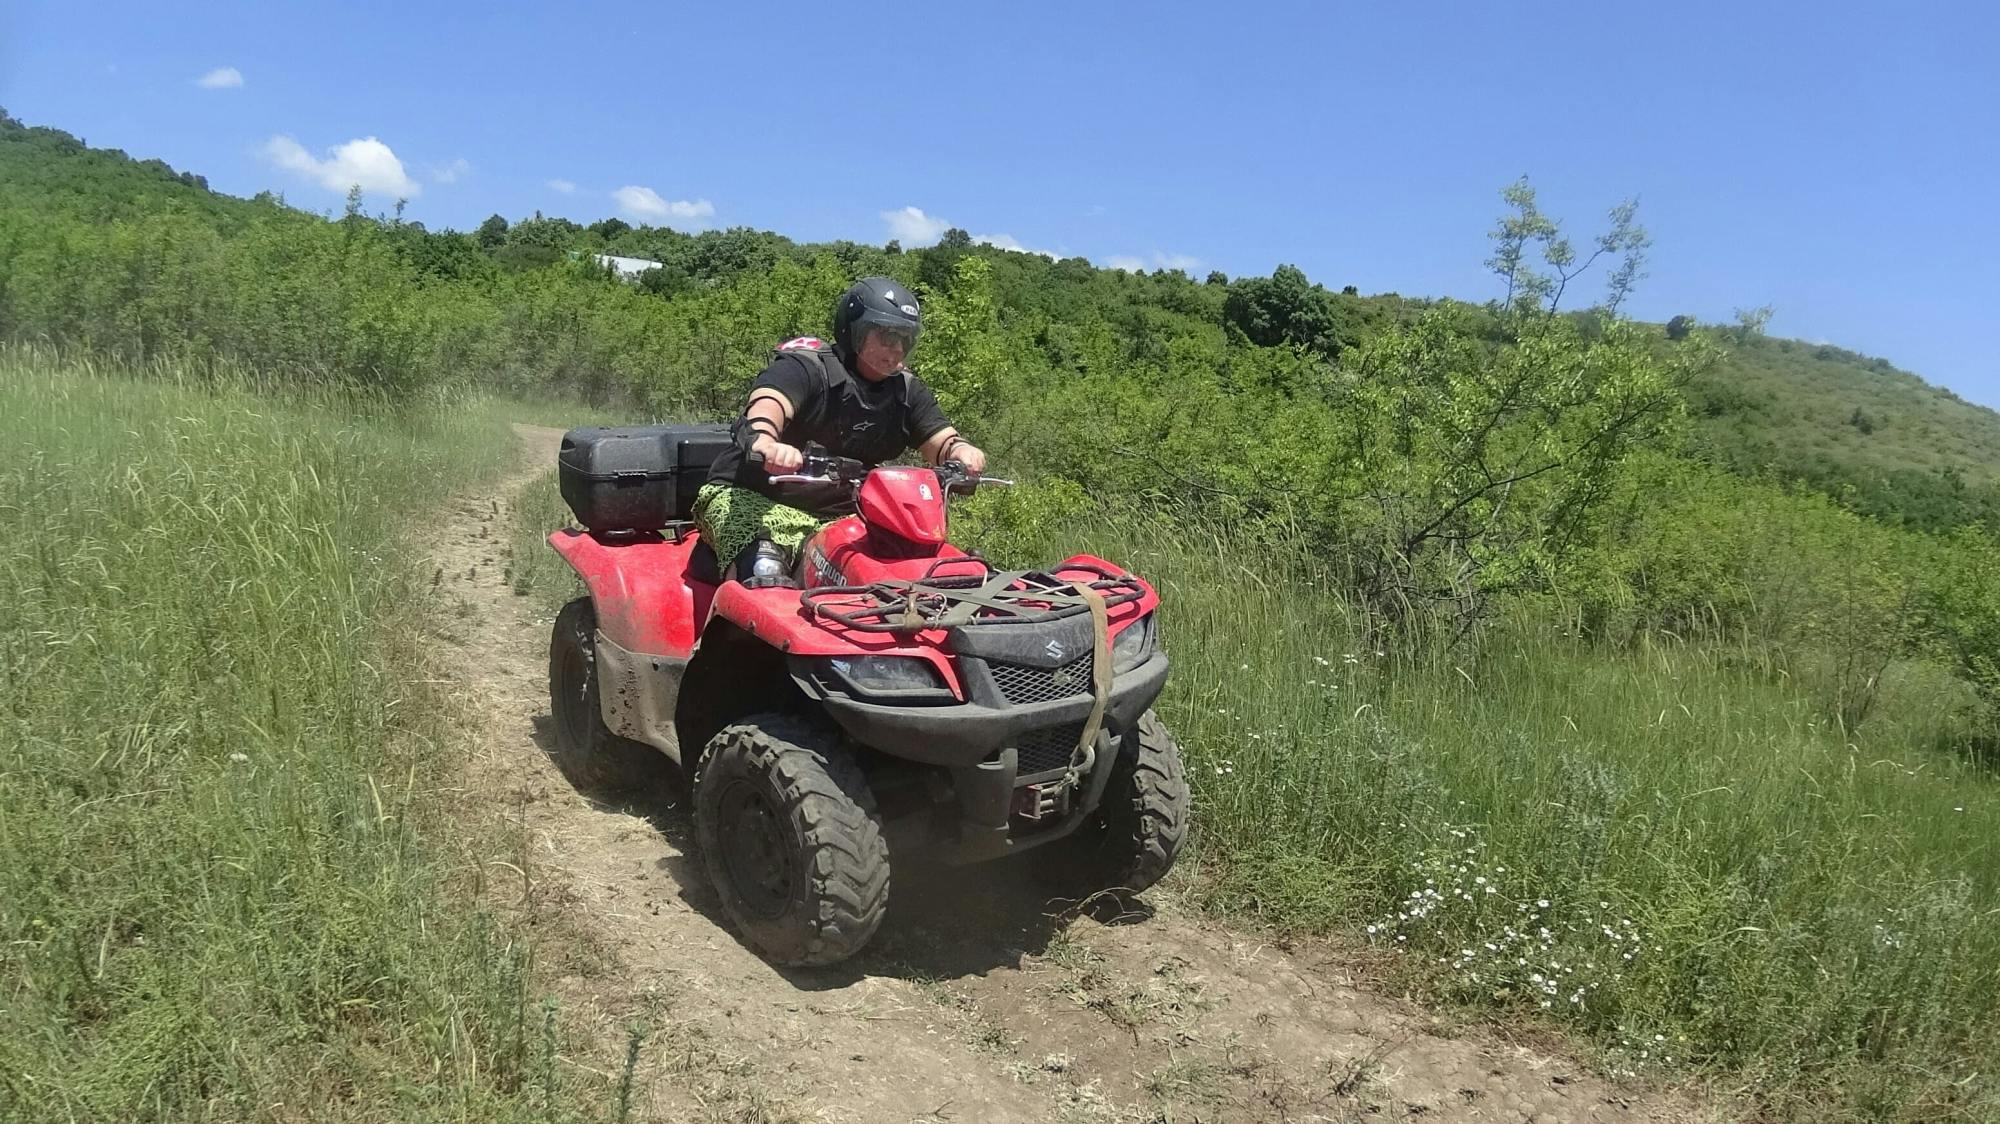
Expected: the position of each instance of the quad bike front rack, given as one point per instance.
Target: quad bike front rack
(983, 597)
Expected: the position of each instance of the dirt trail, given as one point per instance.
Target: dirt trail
(972, 1003)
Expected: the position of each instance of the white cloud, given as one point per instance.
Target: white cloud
(645, 204)
(452, 172)
(563, 186)
(1008, 242)
(366, 162)
(911, 227)
(221, 78)
(1187, 263)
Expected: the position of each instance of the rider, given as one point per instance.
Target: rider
(856, 399)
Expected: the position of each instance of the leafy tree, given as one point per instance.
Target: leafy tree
(939, 264)
(556, 234)
(522, 256)
(962, 355)
(1679, 327)
(1750, 322)
(1525, 226)
(492, 233)
(1479, 471)
(1285, 308)
(663, 280)
(1961, 610)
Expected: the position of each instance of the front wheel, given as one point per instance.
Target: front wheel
(791, 839)
(1131, 840)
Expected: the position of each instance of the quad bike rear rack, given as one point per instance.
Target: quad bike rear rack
(983, 597)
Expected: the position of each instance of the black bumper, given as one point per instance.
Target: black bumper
(964, 734)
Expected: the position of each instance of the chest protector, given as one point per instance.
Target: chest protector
(842, 422)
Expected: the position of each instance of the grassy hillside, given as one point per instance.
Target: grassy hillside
(1837, 421)
(103, 183)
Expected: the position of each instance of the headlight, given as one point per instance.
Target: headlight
(1130, 648)
(877, 675)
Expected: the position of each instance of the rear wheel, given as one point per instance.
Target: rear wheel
(791, 839)
(597, 761)
(1131, 840)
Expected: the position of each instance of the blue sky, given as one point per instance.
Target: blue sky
(1835, 161)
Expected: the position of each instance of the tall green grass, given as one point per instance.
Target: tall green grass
(534, 570)
(1669, 848)
(227, 889)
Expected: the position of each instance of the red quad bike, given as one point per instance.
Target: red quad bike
(909, 699)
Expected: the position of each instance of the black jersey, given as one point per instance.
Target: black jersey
(842, 412)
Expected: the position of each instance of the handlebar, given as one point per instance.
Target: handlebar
(822, 468)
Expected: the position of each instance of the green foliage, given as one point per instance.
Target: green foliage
(227, 880)
(1626, 242)
(1476, 471)
(1663, 837)
(1785, 412)
(492, 233)
(1750, 322)
(962, 351)
(1962, 609)
(1285, 308)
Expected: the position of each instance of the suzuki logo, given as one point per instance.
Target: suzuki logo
(1055, 649)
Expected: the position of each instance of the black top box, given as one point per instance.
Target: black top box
(636, 477)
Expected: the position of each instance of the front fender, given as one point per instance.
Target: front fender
(775, 617)
(645, 602)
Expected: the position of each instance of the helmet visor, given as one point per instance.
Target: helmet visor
(902, 334)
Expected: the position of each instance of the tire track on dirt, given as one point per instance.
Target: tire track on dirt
(975, 1002)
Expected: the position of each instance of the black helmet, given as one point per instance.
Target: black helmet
(875, 302)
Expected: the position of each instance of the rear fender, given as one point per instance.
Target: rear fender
(645, 602)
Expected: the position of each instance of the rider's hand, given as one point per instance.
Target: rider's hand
(970, 456)
(778, 456)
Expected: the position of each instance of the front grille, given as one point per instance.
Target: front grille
(1046, 750)
(1020, 684)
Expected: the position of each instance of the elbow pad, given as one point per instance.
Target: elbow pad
(744, 431)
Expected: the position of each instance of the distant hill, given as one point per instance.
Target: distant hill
(54, 168)
(1858, 428)
(1878, 438)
